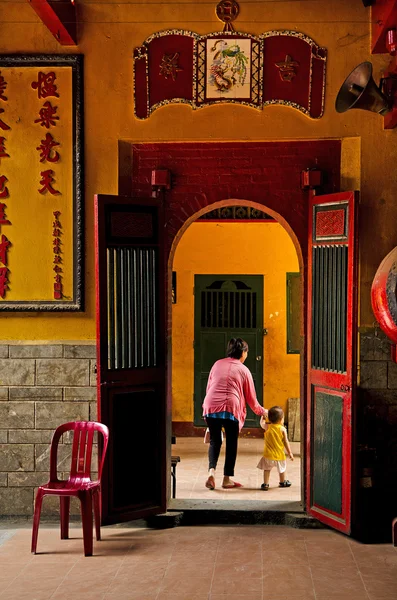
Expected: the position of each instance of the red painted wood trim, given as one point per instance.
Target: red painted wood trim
(390, 120)
(59, 17)
(141, 90)
(383, 17)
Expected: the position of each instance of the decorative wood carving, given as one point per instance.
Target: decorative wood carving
(278, 67)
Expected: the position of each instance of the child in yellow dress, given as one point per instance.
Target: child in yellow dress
(276, 446)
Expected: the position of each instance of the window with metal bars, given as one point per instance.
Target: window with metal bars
(132, 310)
(228, 305)
(329, 303)
(293, 313)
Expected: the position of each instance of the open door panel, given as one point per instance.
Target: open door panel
(131, 313)
(331, 359)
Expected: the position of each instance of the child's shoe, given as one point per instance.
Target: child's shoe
(265, 487)
(285, 483)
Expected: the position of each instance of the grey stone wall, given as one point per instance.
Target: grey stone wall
(378, 375)
(41, 386)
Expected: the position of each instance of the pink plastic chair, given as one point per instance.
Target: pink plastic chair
(79, 483)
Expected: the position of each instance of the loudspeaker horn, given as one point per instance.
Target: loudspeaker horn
(359, 90)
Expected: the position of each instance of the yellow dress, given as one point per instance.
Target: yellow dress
(274, 445)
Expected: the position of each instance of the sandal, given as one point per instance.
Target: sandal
(265, 487)
(210, 483)
(285, 483)
(232, 485)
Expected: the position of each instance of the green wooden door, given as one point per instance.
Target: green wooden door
(227, 306)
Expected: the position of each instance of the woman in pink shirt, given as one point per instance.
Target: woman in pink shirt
(230, 386)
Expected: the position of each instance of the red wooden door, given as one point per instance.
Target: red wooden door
(131, 325)
(331, 357)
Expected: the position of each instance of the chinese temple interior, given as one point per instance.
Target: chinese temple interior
(175, 175)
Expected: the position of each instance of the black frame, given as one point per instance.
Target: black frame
(173, 288)
(293, 312)
(75, 61)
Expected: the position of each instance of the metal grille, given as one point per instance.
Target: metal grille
(236, 212)
(228, 310)
(329, 308)
(132, 328)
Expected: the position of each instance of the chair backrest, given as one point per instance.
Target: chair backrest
(83, 437)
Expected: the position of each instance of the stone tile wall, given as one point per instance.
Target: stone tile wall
(378, 375)
(41, 386)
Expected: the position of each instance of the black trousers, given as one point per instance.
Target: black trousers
(231, 431)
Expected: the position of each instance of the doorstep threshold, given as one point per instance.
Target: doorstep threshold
(183, 504)
(236, 512)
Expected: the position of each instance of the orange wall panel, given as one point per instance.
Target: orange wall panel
(254, 248)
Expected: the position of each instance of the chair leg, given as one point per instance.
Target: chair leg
(36, 520)
(86, 517)
(394, 531)
(97, 515)
(64, 506)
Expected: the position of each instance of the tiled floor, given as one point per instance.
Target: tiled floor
(192, 472)
(198, 563)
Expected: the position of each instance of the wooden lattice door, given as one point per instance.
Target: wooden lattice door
(331, 357)
(131, 317)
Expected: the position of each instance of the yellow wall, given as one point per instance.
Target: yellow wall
(110, 30)
(263, 249)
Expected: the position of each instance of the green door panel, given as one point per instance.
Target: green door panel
(293, 313)
(227, 306)
(212, 346)
(327, 451)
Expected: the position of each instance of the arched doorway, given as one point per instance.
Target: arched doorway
(235, 276)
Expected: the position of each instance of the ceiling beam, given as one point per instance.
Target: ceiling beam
(383, 18)
(59, 16)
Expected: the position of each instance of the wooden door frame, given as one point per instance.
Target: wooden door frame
(201, 184)
(300, 247)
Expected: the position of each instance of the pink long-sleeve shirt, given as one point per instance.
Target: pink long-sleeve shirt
(230, 386)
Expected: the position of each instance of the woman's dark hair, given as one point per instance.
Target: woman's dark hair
(275, 414)
(236, 347)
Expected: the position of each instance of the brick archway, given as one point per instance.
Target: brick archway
(207, 174)
(234, 202)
